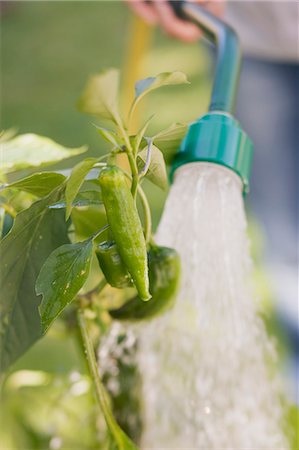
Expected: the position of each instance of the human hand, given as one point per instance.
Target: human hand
(159, 12)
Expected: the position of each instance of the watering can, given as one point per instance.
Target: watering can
(217, 136)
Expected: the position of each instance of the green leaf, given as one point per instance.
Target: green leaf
(147, 85)
(84, 198)
(88, 221)
(31, 150)
(109, 136)
(100, 95)
(6, 135)
(61, 277)
(137, 139)
(75, 181)
(291, 425)
(39, 184)
(6, 222)
(36, 232)
(170, 139)
(118, 438)
(156, 172)
(91, 184)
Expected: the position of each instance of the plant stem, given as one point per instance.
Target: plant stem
(135, 182)
(147, 215)
(100, 286)
(132, 160)
(101, 230)
(135, 175)
(9, 210)
(99, 388)
(132, 110)
(96, 290)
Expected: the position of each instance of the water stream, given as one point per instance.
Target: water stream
(208, 365)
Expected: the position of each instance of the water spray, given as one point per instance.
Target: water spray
(207, 364)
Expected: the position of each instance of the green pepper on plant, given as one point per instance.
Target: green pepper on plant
(125, 226)
(112, 265)
(164, 277)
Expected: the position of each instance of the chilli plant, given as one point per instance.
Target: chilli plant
(68, 237)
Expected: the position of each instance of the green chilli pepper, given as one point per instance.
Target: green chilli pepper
(112, 265)
(164, 276)
(125, 226)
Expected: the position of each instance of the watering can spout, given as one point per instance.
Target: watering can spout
(217, 137)
(228, 53)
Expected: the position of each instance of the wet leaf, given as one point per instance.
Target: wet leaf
(84, 198)
(157, 170)
(31, 150)
(147, 85)
(137, 139)
(169, 140)
(36, 232)
(75, 181)
(39, 184)
(88, 221)
(8, 134)
(100, 95)
(109, 136)
(61, 277)
(91, 184)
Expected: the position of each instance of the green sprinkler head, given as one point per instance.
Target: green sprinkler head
(217, 137)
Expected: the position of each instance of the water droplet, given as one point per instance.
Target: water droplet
(55, 443)
(207, 410)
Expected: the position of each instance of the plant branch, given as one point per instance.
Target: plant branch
(147, 215)
(96, 290)
(9, 210)
(132, 108)
(132, 160)
(135, 175)
(93, 368)
(95, 235)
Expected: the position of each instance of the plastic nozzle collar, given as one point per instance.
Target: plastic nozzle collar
(217, 138)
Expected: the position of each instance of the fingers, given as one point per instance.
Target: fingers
(215, 7)
(185, 31)
(144, 10)
(160, 12)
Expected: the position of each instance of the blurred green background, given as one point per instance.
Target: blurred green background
(49, 49)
